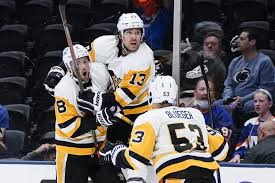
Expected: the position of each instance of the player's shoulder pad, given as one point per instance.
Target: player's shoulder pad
(100, 76)
(144, 118)
(66, 88)
(141, 59)
(104, 49)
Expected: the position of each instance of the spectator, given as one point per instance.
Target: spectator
(249, 137)
(43, 152)
(4, 124)
(214, 67)
(247, 73)
(222, 120)
(264, 151)
(158, 20)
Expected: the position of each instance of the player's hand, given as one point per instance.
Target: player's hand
(54, 76)
(236, 159)
(159, 67)
(226, 133)
(239, 101)
(106, 116)
(105, 153)
(89, 101)
(228, 101)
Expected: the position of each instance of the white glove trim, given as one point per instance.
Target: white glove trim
(116, 150)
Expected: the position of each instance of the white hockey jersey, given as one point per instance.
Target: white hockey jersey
(71, 132)
(173, 138)
(130, 74)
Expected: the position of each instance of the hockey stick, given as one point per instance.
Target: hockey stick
(124, 118)
(62, 11)
(207, 90)
(189, 47)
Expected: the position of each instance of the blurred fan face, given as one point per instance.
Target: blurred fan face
(261, 103)
(84, 68)
(131, 39)
(211, 47)
(200, 92)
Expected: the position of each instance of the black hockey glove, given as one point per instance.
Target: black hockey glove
(110, 152)
(159, 67)
(54, 76)
(89, 101)
(105, 153)
(106, 116)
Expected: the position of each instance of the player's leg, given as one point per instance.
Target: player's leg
(73, 168)
(107, 173)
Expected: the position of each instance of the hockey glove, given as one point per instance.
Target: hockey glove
(105, 153)
(54, 76)
(114, 153)
(106, 116)
(89, 101)
(159, 67)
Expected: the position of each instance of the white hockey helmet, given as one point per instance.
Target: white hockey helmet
(163, 89)
(129, 21)
(79, 50)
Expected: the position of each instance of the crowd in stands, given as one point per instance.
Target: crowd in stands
(240, 73)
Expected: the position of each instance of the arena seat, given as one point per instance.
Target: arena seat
(37, 14)
(249, 10)
(12, 63)
(202, 28)
(19, 117)
(79, 15)
(97, 30)
(15, 142)
(12, 90)
(270, 53)
(206, 10)
(7, 12)
(13, 37)
(46, 121)
(52, 38)
(110, 10)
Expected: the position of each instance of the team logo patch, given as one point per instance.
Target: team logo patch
(242, 75)
(196, 72)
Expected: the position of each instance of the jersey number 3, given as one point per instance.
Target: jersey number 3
(139, 136)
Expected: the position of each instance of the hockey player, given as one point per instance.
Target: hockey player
(174, 139)
(131, 66)
(75, 149)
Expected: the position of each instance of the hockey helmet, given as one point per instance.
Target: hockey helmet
(163, 89)
(79, 50)
(129, 21)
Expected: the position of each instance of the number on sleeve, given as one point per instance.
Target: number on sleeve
(138, 79)
(61, 106)
(139, 136)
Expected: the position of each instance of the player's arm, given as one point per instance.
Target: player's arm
(218, 147)
(54, 76)
(69, 123)
(137, 156)
(133, 85)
